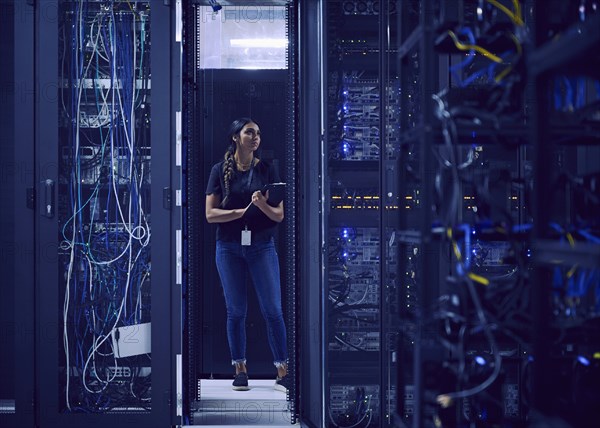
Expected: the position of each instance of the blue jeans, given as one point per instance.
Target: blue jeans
(259, 260)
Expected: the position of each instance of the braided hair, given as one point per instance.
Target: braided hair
(228, 166)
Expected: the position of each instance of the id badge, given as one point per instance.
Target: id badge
(246, 237)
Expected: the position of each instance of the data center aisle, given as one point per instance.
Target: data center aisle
(261, 406)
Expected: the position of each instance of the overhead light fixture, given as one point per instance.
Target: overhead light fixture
(258, 43)
(215, 6)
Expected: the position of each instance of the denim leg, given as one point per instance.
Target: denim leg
(263, 265)
(233, 272)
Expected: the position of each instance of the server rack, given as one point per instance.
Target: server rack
(524, 310)
(17, 252)
(103, 301)
(565, 156)
(359, 217)
(458, 154)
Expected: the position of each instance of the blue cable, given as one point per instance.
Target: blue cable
(597, 289)
(557, 279)
(574, 286)
(467, 231)
(558, 228)
(568, 93)
(589, 236)
(110, 56)
(489, 70)
(522, 227)
(580, 100)
(471, 55)
(96, 90)
(557, 95)
(473, 77)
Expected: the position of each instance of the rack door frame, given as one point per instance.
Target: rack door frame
(20, 94)
(48, 414)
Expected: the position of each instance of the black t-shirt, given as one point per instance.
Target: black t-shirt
(240, 195)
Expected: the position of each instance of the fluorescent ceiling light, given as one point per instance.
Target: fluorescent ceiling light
(258, 43)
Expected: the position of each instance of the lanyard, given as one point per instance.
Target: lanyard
(250, 175)
(246, 233)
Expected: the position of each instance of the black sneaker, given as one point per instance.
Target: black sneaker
(240, 382)
(283, 383)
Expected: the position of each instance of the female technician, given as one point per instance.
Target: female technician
(245, 245)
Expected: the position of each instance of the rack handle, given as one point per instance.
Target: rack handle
(48, 207)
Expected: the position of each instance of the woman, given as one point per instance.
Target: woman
(245, 245)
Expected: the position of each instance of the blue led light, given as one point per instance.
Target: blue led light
(483, 415)
(480, 360)
(345, 233)
(583, 360)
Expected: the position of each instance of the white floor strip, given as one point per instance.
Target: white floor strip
(261, 406)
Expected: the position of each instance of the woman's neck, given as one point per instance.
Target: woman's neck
(244, 159)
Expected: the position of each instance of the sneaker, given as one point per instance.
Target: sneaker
(283, 383)
(240, 382)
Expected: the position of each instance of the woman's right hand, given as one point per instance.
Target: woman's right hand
(215, 214)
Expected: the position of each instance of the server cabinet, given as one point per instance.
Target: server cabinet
(565, 153)
(465, 175)
(16, 216)
(360, 212)
(102, 221)
(491, 332)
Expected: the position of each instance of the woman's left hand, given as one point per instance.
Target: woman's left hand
(274, 213)
(258, 198)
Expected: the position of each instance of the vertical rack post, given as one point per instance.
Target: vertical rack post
(426, 288)
(383, 140)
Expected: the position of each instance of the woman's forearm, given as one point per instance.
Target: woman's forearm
(218, 215)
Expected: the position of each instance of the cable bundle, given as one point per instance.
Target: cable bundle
(104, 216)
